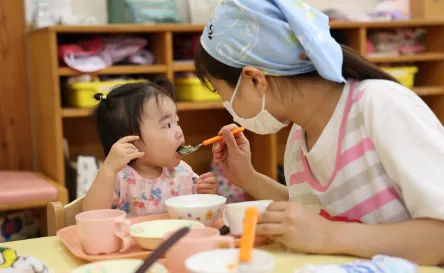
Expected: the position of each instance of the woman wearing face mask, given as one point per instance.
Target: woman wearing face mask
(363, 161)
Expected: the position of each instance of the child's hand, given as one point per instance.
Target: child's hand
(207, 184)
(121, 153)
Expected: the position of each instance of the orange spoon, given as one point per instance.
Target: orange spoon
(188, 149)
(247, 240)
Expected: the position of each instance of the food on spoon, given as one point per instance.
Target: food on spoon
(185, 148)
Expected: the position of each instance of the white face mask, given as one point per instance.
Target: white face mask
(263, 123)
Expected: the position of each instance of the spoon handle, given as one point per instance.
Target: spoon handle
(247, 240)
(159, 251)
(219, 138)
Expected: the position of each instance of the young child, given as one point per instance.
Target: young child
(140, 133)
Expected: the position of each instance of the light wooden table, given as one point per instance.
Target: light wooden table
(52, 252)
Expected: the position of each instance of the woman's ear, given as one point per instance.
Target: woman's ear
(256, 78)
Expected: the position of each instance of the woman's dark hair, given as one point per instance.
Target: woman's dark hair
(354, 67)
(120, 113)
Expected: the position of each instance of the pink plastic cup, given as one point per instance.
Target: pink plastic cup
(103, 231)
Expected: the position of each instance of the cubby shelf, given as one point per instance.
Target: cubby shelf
(119, 70)
(186, 66)
(429, 90)
(54, 122)
(183, 28)
(423, 57)
(68, 112)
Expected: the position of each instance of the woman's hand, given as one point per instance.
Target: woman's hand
(233, 155)
(294, 226)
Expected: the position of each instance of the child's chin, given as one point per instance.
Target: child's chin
(174, 163)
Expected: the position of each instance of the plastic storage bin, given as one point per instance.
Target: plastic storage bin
(191, 89)
(405, 74)
(81, 94)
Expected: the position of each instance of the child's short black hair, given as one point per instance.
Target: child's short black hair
(120, 113)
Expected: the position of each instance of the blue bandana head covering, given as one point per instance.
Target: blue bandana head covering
(280, 37)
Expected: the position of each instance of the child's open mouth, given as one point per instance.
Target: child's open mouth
(180, 148)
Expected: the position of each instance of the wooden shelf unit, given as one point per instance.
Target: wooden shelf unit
(183, 66)
(53, 121)
(71, 112)
(423, 57)
(119, 70)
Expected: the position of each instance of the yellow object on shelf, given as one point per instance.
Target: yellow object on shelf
(81, 94)
(191, 89)
(404, 74)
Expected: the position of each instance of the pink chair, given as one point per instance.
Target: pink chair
(23, 189)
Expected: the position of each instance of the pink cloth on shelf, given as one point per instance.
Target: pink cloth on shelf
(18, 187)
(101, 52)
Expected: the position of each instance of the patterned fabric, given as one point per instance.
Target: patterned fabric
(378, 264)
(280, 37)
(230, 191)
(359, 189)
(20, 225)
(138, 196)
(13, 262)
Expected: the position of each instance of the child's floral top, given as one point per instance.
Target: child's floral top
(139, 196)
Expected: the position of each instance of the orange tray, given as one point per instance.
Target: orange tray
(69, 238)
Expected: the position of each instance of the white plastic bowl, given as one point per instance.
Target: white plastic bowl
(149, 235)
(205, 208)
(118, 266)
(226, 261)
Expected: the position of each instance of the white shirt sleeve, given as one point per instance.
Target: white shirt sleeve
(409, 140)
